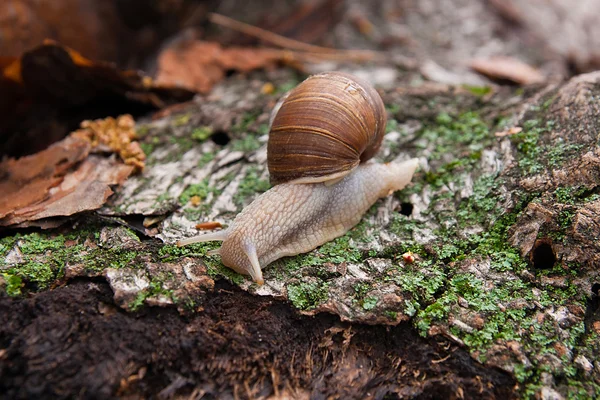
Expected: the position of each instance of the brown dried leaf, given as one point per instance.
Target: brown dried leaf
(65, 179)
(209, 225)
(198, 65)
(86, 188)
(508, 132)
(508, 68)
(26, 181)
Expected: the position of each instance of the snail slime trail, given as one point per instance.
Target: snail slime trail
(321, 138)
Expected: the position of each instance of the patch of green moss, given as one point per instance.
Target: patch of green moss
(202, 133)
(482, 203)
(36, 243)
(478, 90)
(205, 158)
(181, 120)
(218, 270)
(287, 86)
(308, 295)
(450, 172)
(154, 289)
(467, 131)
(340, 250)
(141, 130)
(245, 121)
(574, 195)
(560, 151)
(13, 284)
(250, 185)
(247, 144)
(184, 144)
(171, 252)
(45, 257)
(361, 289)
(215, 269)
(149, 145)
(531, 154)
(201, 190)
(41, 275)
(369, 303)
(422, 281)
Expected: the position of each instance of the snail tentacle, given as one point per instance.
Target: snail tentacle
(208, 237)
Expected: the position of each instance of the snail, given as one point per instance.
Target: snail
(320, 141)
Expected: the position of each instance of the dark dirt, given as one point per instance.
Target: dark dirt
(75, 340)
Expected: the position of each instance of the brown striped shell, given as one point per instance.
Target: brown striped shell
(325, 127)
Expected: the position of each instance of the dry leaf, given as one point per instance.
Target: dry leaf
(508, 68)
(65, 179)
(86, 188)
(209, 225)
(511, 131)
(198, 65)
(27, 181)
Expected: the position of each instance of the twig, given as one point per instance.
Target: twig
(308, 51)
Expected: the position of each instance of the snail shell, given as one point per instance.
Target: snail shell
(324, 129)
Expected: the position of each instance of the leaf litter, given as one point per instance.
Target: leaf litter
(71, 176)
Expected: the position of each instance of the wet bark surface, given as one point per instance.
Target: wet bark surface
(74, 341)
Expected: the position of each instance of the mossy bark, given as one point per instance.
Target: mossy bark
(493, 247)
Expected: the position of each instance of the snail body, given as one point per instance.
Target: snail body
(293, 218)
(317, 162)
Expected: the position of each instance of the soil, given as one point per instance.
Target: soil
(74, 339)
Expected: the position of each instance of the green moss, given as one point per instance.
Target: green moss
(184, 144)
(249, 186)
(308, 295)
(369, 303)
(147, 148)
(202, 133)
(560, 151)
(482, 203)
(245, 121)
(181, 120)
(287, 86)
(215, 269)
(478, 90)
(141, 130)
(218, 270)
(36, 243)
(201, 190)
(531, 154)
(422, 281)
(205, 158)
(450, 172)
(393, 315)
(171, 252)
(154, 289)
(39, 274)
(45, 256)
(13, 284)
(361, 289)
(247, 144)
(340, 250)
(467, 131)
